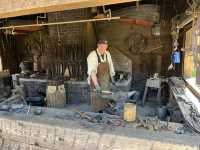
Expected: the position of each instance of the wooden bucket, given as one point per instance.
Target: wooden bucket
(56, 95)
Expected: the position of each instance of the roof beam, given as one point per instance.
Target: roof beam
(14, 8)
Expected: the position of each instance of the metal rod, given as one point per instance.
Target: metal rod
(59, 23)
(185, 22)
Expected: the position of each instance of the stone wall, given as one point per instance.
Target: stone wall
(23, 132)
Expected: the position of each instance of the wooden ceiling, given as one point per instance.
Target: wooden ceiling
(14, 8)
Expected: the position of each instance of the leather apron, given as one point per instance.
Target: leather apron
(103, 77)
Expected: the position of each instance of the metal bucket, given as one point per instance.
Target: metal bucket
(129, 112)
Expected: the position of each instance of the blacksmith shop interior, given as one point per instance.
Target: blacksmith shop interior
(100, 74)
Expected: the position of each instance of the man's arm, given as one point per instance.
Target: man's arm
(111, 66)
(92, 63)
(94, 79)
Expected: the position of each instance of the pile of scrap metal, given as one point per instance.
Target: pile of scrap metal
(10, 96)
(10, 99)
(153, 124)
(188, 103)
(100, 118)
(14, 103)
(16, 97)
(5, 85)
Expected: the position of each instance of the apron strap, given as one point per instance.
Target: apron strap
(99, 59)
(106, 58)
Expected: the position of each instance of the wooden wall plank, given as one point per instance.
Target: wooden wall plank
(188, 56)
(13, 8)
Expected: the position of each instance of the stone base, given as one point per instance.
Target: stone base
(47, 132)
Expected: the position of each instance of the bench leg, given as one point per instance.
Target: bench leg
(144, 96)
(159, 96)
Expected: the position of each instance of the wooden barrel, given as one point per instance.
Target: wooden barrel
(56, 95)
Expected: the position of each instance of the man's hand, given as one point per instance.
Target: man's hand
(98, 89)
(112, 79)
(170, 67)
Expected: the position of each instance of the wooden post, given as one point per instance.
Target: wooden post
(158, 64)
(198, 75)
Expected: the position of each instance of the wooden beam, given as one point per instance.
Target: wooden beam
(14, 8)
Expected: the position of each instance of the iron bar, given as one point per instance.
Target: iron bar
(60, 23)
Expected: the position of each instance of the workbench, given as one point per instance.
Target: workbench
(188, 103)
(155, 83)
(76, 91)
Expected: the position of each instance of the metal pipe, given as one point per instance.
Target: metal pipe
(185, 22)
(108, 12)
(60, 23)
(41, 17)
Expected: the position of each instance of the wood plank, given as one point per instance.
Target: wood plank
(13, 8)
(191, 84)
(188, 56)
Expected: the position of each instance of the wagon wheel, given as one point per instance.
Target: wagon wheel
(136, 43)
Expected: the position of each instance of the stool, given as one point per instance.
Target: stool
(152, 83)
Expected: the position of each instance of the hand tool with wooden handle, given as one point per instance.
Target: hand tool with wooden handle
(104, 92)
